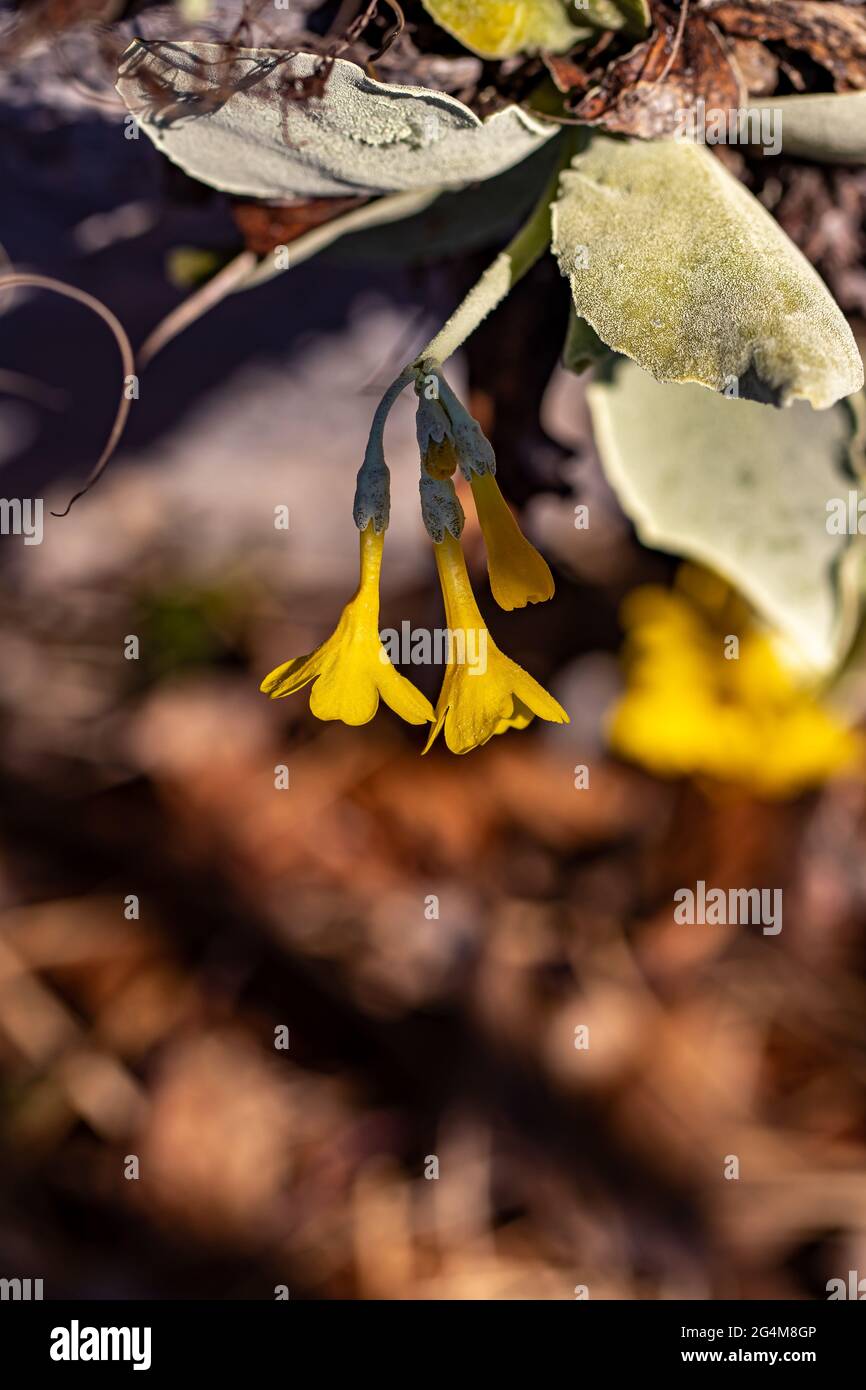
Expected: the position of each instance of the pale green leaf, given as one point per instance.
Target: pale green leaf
(828, 126)
(674, 263)
(232, 123)
(743, 490)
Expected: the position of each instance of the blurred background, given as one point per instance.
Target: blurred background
(149, 1029)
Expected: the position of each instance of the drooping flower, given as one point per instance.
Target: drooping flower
(688, 710)
(483, 692)
(490, 694)
(351, 670)
(518, 574)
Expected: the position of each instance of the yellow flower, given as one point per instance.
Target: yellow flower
(518, 574)
(688, 711)
(490, 693)
(351, 670)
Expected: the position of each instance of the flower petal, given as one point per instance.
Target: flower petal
(536, 698)
(403, 697)
(346, 690)
(292, 675)
(521, 716)
(518, 574)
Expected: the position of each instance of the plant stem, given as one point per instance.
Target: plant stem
(519, 256)
(502, 274)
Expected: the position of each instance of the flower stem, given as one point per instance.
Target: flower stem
(519, 256)
(500, 277)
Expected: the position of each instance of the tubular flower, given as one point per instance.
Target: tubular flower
(487, 693)
(351, 670)
(518, 574)
(483, 692)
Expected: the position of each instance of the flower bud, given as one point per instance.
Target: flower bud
(440, 508)
(373, 489)
(433, 430)
(471, 445)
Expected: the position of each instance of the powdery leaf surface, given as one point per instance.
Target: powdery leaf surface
(676, 265)
(742, 488)
(232, 122)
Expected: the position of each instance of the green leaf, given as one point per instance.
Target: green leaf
(676, 265)
(502, 28)
(829, 126)
(236, 123)
(742, 489)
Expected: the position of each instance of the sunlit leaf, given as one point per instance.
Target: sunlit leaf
(501, 28)
(742, 489)
(235, 120)
(674, 263)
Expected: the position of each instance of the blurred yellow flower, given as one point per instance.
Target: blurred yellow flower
(690, 710)
(481, 699)
(352, 670)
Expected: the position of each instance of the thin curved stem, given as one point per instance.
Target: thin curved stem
(46, 282)
(500, 277)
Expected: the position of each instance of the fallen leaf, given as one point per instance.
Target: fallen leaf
(757, 66)
(265, 227)
(833, 34)
(637, 96)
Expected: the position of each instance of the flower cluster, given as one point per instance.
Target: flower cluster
(754, 722)
(352, 670)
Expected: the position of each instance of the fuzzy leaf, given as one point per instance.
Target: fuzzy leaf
(828, 126)
(742, 489)
(502, 28)
(236, 122)
(676, 265)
